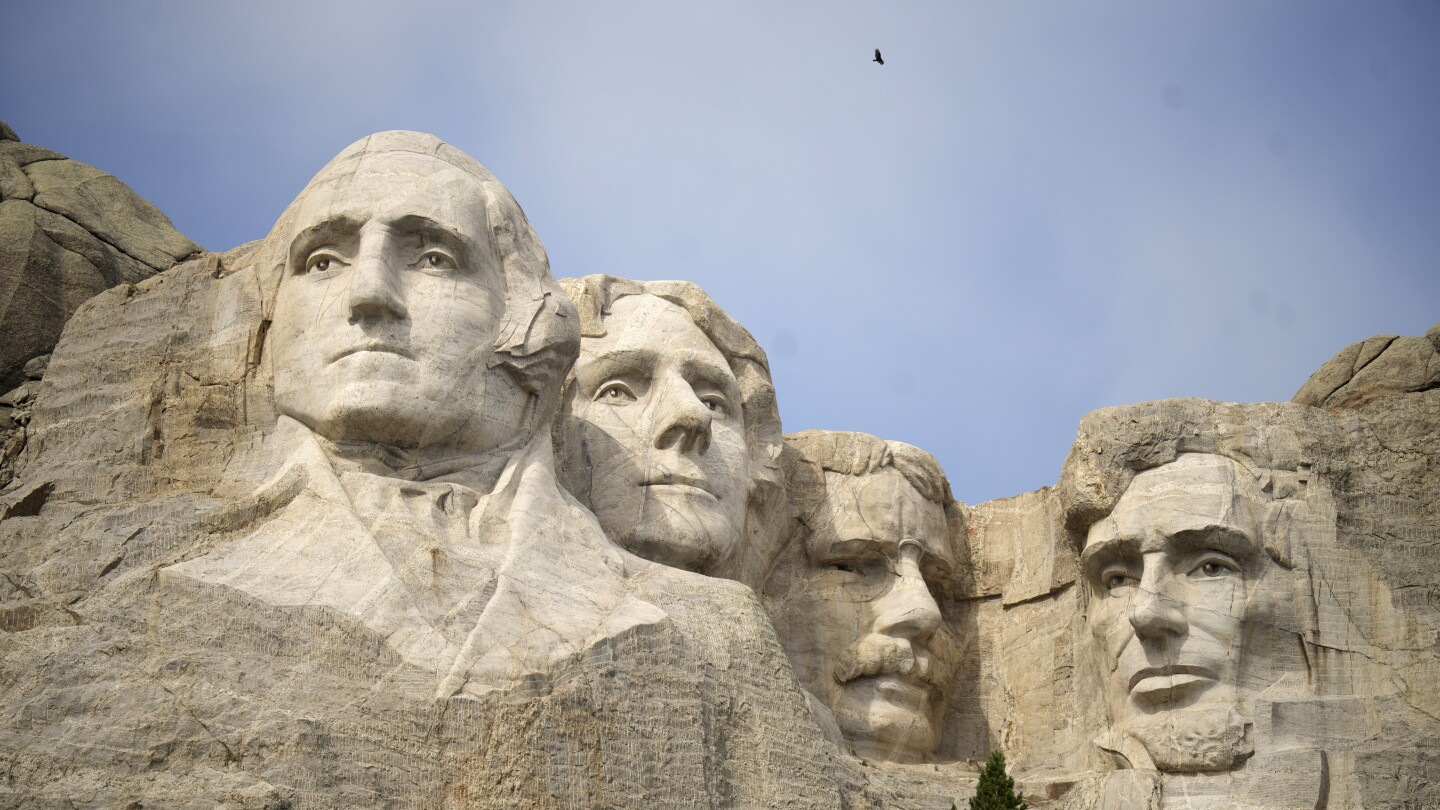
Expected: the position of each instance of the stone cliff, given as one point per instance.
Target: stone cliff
(284, 529)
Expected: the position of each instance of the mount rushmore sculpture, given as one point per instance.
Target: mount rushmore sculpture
(375, 512)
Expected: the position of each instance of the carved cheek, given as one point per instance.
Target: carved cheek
(1217, 610)
(1112, 628)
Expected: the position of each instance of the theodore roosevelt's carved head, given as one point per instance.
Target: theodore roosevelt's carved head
(414, 306)
(856, 598)
(668, 429)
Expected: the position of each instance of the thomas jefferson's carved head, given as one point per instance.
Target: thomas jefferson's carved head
(414, 306)
(668, 429)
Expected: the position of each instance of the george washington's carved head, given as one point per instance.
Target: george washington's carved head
(414, 306)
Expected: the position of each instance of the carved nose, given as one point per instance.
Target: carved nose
(1154, 615)
(375, 289)
(682, 420)
(908, 610)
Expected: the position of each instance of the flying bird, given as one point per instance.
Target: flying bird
(877, 57)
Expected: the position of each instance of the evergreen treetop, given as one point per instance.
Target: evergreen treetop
(996, 791)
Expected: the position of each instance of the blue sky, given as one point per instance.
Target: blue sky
(1030, 211)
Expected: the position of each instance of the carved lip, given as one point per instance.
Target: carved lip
(679, 481)
(381, 346)
(1201, 673)
(899, 685)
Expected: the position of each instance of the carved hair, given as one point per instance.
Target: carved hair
(594, 295)
(810, 454)
(538, 339)
(1271, 442)
(850, 453)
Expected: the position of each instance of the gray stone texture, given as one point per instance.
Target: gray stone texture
(149, 659)
(1383, 366)
(67, 232)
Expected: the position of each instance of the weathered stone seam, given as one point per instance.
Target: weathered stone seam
(102, 239)
(39, 160)
(1053, 592)
(1373, 358)
(1355, 371)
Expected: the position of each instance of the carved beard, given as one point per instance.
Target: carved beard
(1196, 740)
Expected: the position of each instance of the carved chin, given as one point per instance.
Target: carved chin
(371, 415)
(687, 546)
(886, 720)
(1203, 740)
(683, 529)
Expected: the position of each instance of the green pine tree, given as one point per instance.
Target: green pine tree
(996, 791)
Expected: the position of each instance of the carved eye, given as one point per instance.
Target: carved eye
(1116, 577)
(716, 404)
(1117, 581)
(863, 567)
(1213, 567)
(435, 259)
(615, 393)
(322, 261)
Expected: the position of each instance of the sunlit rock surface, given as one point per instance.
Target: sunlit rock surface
(287, 530)
(67, 231)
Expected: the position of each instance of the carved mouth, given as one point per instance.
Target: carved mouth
(680, 482)
(923, 674)
(902, 688)
(1178, 676)
(378, 346)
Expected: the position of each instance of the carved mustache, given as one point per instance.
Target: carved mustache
(673, 479)
(876, 656)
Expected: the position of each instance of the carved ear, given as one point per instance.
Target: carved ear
(538, 342)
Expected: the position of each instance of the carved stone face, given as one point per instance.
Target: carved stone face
(859, 618)
(388, 309)
(1173, 576)
(655, 425)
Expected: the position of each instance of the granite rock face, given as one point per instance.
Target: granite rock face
(1372, 369)
(67, 232)
(373, 512)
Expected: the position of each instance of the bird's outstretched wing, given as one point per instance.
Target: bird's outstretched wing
(877, 57)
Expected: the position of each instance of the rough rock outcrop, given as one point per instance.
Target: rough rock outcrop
(67, 232)
(1382, 366)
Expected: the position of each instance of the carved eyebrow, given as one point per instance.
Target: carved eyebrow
(429, 229)
(605, 364)
(1108, 550)
(625, 358)
(320, 233)
(1228, 539)
(712, 372)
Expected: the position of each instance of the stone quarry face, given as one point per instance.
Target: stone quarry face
(657, 414)
(284, 528)
(864, 629)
